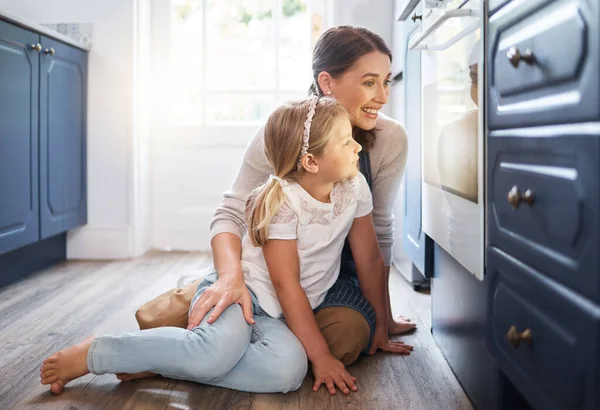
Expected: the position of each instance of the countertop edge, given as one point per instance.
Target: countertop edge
(27, 24)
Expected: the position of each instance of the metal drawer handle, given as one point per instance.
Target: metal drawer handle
(515, 56)
(50, 51)
(416, 17)
(515, 198)
(36, 47)
(515, 338)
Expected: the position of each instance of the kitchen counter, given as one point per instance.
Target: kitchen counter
(25, 23)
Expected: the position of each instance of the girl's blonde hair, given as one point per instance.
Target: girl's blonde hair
(283, 142)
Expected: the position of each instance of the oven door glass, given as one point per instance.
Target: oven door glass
(452, 147)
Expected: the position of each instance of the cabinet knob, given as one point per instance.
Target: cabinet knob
(515, 56)
(515, 198)
(416, 17)
(50, 51)
(36, 47)
(515, 338)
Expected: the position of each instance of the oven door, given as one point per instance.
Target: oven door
(452, 153)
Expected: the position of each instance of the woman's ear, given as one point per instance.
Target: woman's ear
(325, 82)
(310, 164)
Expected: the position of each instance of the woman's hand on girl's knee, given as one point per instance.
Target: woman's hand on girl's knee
(332, 373)
(220, 295)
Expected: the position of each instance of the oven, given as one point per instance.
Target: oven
(449, 40)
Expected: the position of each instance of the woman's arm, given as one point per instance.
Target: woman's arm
(284, 269)
(230, 216)
(226, 230)
(390, 153)
(229, 287)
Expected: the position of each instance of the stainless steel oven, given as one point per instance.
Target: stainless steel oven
(452, 128)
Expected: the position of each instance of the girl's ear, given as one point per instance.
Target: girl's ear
(310, 164)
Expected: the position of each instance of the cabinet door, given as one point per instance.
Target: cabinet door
(414, 237)
(19, 72)
(543, 195)
(543, 336)
(543, 63)
(62, 138)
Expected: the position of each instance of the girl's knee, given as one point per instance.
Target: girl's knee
(287, 363)
(346, 331)
(225, 340)
(291, 371)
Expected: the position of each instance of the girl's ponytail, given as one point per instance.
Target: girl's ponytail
(262, 205)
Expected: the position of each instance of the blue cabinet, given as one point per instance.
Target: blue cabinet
(62, 138)
(19, 76)
(543, 151)
(415, 241)
(43, 191)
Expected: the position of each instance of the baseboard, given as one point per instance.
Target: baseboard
(17, 264)
(96, 242)
(181, 240)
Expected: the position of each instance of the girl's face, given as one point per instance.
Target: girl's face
(363, 89)
(339, 160)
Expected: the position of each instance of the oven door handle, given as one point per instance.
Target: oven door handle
(417, 45)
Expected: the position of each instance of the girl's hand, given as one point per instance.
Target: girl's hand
(382, 341)
(331, 372)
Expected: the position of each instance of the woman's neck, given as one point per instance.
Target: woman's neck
(315, 187)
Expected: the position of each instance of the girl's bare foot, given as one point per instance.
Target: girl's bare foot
(125, 377)
(65, 365)
(400, 325)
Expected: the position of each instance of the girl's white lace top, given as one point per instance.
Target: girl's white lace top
(319, 229)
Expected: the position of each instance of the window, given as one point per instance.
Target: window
(234, 61)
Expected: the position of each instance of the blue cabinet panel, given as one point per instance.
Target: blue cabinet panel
(543, 59)
(62, 138)
(543, 336)
(543, 201)
(19, 72)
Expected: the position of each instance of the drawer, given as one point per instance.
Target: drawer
(543, 201)
(544, 337)
(559, 81)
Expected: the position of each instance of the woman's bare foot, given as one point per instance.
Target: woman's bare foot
(125, 377)
(65, 365)
(400, 325)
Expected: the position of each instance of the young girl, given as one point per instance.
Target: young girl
(297, 223)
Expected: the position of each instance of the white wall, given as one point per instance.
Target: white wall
(110, 120)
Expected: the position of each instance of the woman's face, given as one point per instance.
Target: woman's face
(363, 89)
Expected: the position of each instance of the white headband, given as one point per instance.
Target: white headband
(306, 134)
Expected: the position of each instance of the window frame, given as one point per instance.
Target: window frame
(162, 29)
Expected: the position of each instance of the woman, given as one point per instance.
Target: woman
(352, 65)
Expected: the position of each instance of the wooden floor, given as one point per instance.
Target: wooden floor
(62, 305)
